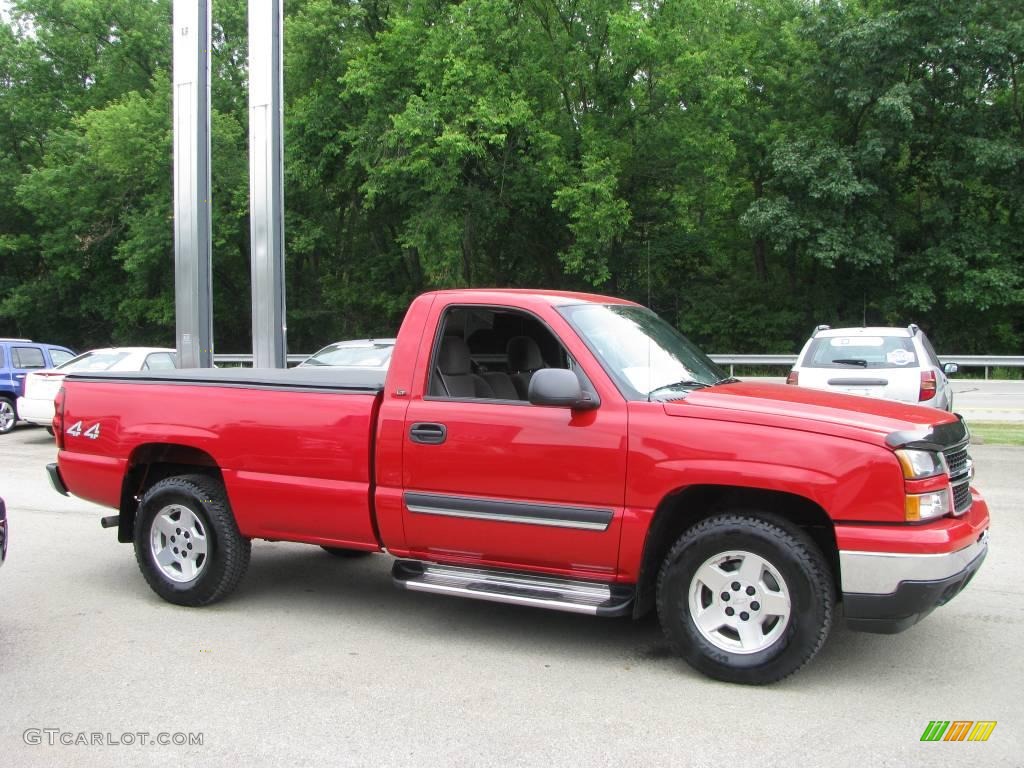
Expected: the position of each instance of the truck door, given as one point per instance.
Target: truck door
(490, 479)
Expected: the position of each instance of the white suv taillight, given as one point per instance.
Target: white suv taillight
(928, 386)
(58, 418)
(793, 378)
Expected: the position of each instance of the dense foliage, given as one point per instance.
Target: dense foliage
(749, 168)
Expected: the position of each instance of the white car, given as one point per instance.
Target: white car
(358, 353)
(890, 363)
(36, 406)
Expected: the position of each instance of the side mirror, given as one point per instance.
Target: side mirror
(950, 367)
(559, 387)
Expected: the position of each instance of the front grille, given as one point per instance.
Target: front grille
(957, 461)
(962, 497)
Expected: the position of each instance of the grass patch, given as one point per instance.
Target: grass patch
(998, 432)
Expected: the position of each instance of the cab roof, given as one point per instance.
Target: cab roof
(554, 298)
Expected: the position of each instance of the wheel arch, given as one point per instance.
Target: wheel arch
(150, 463)
(685, 507)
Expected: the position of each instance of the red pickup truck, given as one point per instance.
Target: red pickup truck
(549, 449)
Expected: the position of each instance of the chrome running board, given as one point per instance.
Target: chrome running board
(515, 587)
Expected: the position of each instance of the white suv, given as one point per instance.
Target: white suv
(891, 363)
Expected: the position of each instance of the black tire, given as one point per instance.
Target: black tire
(226, 550)
(806, 582)
(49, 431)
(349, 554)
(8, 415)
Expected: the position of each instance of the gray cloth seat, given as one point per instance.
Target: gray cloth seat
(453, 375)
(524, 358)
(502, 386)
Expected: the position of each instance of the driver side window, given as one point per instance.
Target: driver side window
(491, 354)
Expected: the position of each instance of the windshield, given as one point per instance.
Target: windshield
(93, 361)
(646, 356)
(368, 356)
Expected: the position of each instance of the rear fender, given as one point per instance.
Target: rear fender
(151, 463)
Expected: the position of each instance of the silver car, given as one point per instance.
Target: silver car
(890, 363)
(358, 353)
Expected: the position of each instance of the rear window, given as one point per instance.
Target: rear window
(94, 361)
(376, 356)
(848, 352)
(159, 361)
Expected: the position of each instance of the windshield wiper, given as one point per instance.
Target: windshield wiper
(684, 384)
(852, 361)
(727, 380)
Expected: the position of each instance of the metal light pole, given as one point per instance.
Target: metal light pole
(192, 231)
(266, 182)
(193, 298)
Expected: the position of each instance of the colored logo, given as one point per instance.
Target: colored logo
(958, 730)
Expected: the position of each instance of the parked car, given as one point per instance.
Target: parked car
(890, 363)
(3, 532)
(358, 353)
(17, 358)
(36, 406)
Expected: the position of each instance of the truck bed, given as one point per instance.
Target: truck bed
(292, 446)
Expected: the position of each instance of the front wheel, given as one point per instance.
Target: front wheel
(187, 543)
(746, 598)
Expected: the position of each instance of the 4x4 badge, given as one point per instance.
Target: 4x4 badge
(92, 432)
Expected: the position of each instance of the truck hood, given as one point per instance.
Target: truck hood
(882, 422)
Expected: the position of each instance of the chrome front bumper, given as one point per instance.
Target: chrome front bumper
(881, 573)
(889, 592)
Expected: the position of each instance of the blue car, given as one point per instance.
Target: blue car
(17, 358)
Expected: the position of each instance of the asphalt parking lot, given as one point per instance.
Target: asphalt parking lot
(318, 660)
(981, 400)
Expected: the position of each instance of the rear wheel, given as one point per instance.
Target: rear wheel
(746, 598)
(8, 415)
(187, 543)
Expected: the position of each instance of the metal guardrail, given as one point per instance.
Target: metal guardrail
(247, 359)
(733, 360)
(964, 361)
(984, 361)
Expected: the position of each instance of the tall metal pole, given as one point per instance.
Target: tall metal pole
(266, 182)
(193, 297)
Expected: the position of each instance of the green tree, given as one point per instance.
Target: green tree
(749, 169)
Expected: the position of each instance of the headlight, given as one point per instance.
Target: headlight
(926, 506)
(920, 464)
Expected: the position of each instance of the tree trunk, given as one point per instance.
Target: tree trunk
(760, 246)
